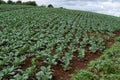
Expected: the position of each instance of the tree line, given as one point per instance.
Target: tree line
(33, 3)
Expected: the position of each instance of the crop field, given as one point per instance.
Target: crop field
(40, 43)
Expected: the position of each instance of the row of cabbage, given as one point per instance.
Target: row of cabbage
(49, 36)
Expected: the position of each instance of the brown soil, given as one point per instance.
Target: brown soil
(117, 33)
(76, 65)
(26, 64)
